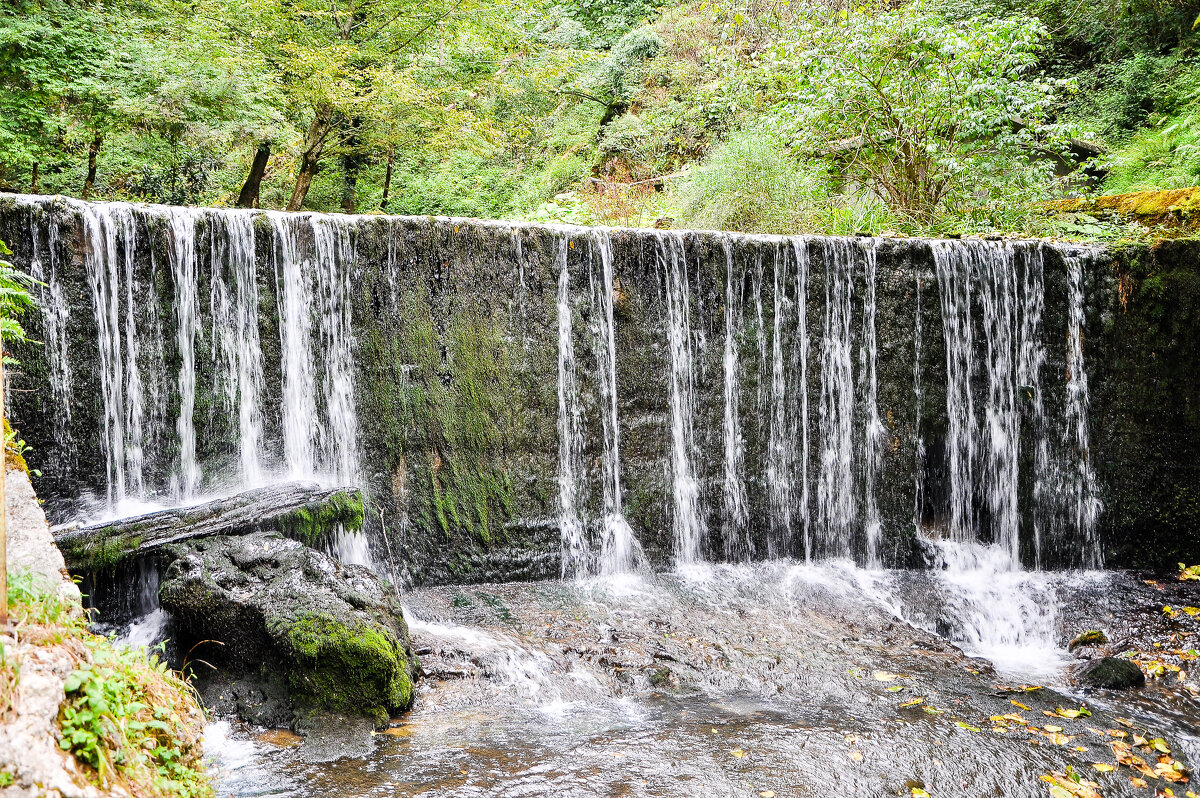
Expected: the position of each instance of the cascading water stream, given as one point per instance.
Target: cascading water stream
(689, 523)
(836, 507)
(780, 441)
(1086, 509)
(294, 299)
(332, 261)
(187, 320)
(576, 554)
(800, 248)
(619, 551)
(873, 429)
(738, 544)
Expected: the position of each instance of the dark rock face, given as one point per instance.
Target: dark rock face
(295, 622)
(454, 361)
(1110, 673)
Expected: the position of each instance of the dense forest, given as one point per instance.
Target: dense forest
(938, 116)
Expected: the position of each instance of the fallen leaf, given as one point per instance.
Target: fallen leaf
(856, 756)
(738, 753)
(966, 726)
(1137, 782)
(1017, 703)
(884, 676)
(767, 794)
(851, 739)
(912, 703)
(895, 688)
(1103, 767)
(917, 792)
(1124, 722)
(1053, 728)
(1160, 745)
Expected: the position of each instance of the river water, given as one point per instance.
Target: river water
(747, 680)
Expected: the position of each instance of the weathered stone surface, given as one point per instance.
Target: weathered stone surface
(279, 611)
(28, 735)
(303, 509)
(455, 331)
(1110, 673)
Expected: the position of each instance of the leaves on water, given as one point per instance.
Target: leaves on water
(1103, 767)
(884, 676)
(737, 753)
(766, 794)
(960, 724)
(1082, 712)
(895, 688)
(1189, 573)
(912, 703)
(1071, 785)
(1017, 703)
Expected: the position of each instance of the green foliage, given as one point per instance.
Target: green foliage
(753, 183)
(931, 116)
(130, 720)
(15, 299)
(1166, 153)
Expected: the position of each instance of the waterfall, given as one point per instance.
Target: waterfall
(835, 485)
(954, 287)
(780, 441)
(1086, 504)
(332, 261)
(111, 237)
(187, 315)
(619, 550)
(294, 299)
(738, 544)
(800, 247)
(236, 351)
(575, 550)
(1030, 360)
(918, 411)
(873, 429)
(56, 313)
(689, 525)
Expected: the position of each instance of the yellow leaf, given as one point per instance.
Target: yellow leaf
(767, 794)
(966, 726)
(895, 688)
(1160, 745)
(738, 753)
(884, 676)
(1137, 782)
(912, 703)
(1103, 767)
(1124, 722)
(1053, 728)
(917, 792)
(1017, 703)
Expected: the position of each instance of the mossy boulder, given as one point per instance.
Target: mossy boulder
(1110, 673)
(281, 612)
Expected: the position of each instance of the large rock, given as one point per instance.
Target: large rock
(1110, 673)
(280, 612)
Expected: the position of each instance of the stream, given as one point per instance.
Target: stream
(747, 680)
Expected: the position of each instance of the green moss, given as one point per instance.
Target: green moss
(444, 397)
(360, 669)
(311, 523)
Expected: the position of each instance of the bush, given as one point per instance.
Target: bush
(753, 184)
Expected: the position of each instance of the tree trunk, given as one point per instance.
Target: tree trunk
(93, 153)
(387, 178)
(33, 180)
(351, 165)
(305, 509)
(310, 161)
(248, 198)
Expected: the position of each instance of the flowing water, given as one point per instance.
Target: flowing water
(768, 675)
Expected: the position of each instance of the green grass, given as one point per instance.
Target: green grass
(129, 720)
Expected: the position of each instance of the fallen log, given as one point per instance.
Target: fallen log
(303, 510)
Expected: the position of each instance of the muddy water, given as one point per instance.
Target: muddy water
(747, 680)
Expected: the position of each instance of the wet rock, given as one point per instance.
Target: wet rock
(1091, 637)
(1110, 673)
(265, 610)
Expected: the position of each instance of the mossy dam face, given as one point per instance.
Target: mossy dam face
(520, 401)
